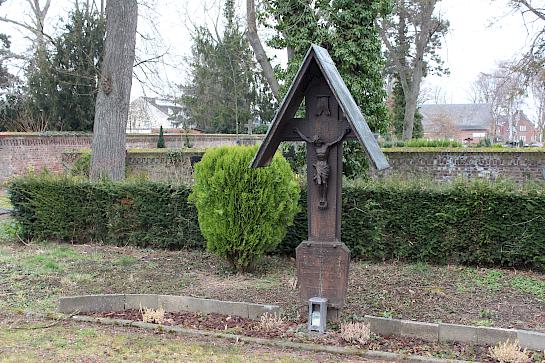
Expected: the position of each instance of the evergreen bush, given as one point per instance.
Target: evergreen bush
(243, 212)
(139, 213)
(161, 140)
(82, 166)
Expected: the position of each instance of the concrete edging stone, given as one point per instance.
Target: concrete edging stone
(170, 303)
(382, 326)
(455, 332)
(388, 356)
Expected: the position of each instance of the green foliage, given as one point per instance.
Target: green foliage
(261, 129)
(82, 166)
(226, 89)
(161, 140)
(397, 114)
(530, 286)
(486, 142)
(423, 143)
(10, 231)
(138, 213)
(472, 223)
(62, 84)
(346, 28)
(355, 162)
(11, 102)
(243, 212)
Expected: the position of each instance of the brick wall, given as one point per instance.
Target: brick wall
(520, 166)
(172, 167)
(20, 152)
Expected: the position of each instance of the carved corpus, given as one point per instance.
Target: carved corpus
(331, 116)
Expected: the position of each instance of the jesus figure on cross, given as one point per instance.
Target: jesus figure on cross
(321, 165)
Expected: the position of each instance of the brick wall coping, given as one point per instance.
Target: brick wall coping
(462, 150)
(144, 151)
(89, 134)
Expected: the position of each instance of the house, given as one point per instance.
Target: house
(467, 123)
(147, 114)
(522, 130)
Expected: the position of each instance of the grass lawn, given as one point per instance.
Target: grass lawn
(33, 277)
(4, 200)
(25, 341)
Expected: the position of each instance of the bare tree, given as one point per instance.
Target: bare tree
(36, 24)
(259, 51)
(504, 90)
(533, 61)
(444, 126)
(537, 87)
(411, 34)
(112, 104)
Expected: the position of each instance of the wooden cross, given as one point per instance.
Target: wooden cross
(331, 116)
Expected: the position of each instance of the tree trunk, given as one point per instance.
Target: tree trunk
(112, 103)
(408, 118)
(258, 49)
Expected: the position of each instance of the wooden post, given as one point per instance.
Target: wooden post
(331, 116)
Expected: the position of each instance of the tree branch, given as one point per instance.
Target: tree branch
(259, 51)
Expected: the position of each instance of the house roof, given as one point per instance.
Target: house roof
(164, 105)
(318, 56)
(475, 116)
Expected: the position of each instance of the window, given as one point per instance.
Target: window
(522, 138)
(522, 128)
(479, 134)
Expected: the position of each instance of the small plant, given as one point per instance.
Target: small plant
(271, 322)
(529, 286)
(483, 322)
(508, 352)
(387, 314)
(161, 140)
(10, 231)
(355, 333)
(81, 166)
(152, 316)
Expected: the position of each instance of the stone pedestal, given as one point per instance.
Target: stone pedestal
(322, 271)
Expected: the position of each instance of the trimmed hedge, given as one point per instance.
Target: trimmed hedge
(473, 223)
(139, 213)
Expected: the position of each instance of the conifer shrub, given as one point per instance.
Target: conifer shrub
(243, 212)
(161, 140)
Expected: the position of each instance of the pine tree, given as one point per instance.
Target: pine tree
(226, 91)
(62, 84)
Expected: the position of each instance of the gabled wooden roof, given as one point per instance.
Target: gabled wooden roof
(294, 97)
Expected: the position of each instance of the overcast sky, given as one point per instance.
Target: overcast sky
(482, 33)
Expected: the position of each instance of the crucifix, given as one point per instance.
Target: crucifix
(331, 116)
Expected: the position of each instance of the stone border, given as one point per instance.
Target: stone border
(441, 332)
(382, 326)
(370, 354)
(170, 303)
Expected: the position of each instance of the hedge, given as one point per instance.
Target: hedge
(139, 213)
(472, 223)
